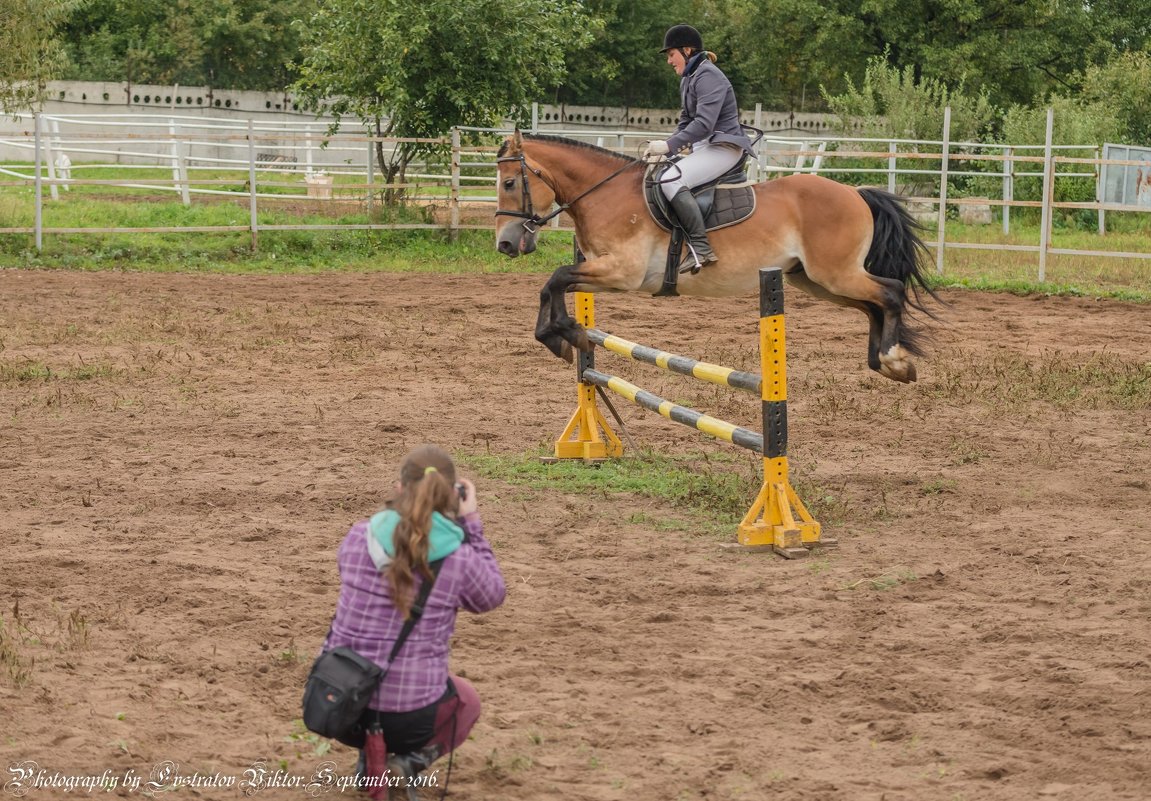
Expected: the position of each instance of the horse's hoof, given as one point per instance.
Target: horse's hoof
(557, 345)
(896, 364)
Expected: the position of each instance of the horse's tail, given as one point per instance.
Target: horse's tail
(896, 248)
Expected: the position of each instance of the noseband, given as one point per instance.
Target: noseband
(532, 222)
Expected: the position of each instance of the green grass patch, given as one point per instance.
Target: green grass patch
(704, 495)
(287, 252)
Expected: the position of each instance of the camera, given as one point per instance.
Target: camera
(462, 489)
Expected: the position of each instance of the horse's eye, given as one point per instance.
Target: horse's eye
(510, 184)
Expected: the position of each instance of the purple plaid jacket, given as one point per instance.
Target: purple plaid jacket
(367, 622)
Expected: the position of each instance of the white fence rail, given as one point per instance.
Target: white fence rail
(286, 161)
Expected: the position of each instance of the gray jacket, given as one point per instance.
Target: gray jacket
(709, 110)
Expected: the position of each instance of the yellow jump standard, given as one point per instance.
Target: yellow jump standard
(778, 519)
(587, 436)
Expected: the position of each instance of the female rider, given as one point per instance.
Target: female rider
(709, 122)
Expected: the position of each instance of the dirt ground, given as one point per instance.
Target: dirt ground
(180, 456)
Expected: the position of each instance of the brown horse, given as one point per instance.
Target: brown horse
(854, 247)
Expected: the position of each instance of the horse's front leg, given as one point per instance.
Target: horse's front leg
(555, 328)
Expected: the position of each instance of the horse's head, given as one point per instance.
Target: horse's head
(522, 194)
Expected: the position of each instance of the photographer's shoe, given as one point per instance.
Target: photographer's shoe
(406, 767)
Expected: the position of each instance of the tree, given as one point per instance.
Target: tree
(237, 44)
(1123, 87)
(1019, 50)
(622, 66)
(781, 52)
(31, 53)
(417, 69)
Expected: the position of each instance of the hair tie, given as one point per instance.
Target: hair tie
(429, 469)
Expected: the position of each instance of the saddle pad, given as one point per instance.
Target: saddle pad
(733, 204)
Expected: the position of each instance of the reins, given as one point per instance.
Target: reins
(532, 221)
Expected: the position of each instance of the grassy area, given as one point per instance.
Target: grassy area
(1018, 271)
(473, 251)
(701, 493)
(704, 493)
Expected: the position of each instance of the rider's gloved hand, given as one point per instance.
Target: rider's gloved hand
(655, 150)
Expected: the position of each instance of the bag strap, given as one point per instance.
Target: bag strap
(414, 614)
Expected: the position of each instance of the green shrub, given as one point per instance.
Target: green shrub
(892, 103)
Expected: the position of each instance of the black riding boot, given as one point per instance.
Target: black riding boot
(699, 249)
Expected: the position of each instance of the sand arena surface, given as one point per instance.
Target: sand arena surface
(176, 482)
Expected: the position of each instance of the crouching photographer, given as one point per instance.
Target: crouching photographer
(382, 683)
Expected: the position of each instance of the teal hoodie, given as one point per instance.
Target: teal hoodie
(445, 537)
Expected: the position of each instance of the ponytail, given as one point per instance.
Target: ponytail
(427, 478)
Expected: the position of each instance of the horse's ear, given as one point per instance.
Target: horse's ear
(518, 140)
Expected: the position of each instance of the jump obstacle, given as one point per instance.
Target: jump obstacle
(777, 519)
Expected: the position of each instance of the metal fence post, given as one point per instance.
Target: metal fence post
(1099, 193)
(892, 148)
(1048, 196)
(817, 162)
(253, 218)
(455, 197)
(179, 167)
(941, 236)
(1008, 188)
(308, 149)
(369, 199)
(39, 189)
(535, 117)
(50, 158)
(760, 147)
(801, 159)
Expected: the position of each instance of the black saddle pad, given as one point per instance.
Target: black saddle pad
(728, 200)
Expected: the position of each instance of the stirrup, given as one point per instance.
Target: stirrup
(691, 261)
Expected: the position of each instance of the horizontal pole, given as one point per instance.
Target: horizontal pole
(720, 429)
(704, 371)
(1112, 253)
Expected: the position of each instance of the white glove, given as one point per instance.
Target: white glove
(655, 150)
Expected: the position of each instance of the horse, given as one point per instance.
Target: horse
(856, 247)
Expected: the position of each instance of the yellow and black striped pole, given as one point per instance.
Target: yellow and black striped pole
(720, 429)
(704, 371)
(778, 519)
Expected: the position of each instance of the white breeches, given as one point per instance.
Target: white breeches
(706, 163)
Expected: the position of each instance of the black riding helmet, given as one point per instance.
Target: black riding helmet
(681, 36)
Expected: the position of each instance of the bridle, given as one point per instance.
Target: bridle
(532, 222)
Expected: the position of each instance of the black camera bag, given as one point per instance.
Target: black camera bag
(338, 690)
(342, 682)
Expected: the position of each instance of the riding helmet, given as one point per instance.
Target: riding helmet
(681, 36)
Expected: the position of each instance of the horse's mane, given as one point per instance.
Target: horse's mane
(573, 143)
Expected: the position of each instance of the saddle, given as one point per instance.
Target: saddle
(727, 200)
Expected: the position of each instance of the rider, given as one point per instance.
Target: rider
(709, 122)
